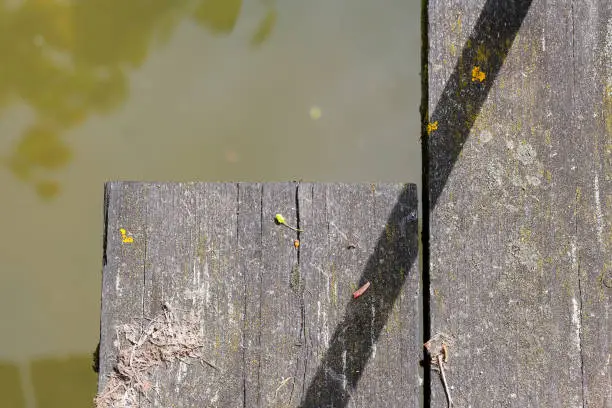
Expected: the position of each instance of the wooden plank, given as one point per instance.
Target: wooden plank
(505, 273)
(191, 265)
(250, 254)
(593, 115)
(280, 301)
(264, 311)
(181, 255)
(123, 268)
(370, 346)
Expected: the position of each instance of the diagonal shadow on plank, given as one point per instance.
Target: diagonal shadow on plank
(455, 113)
(462, 98)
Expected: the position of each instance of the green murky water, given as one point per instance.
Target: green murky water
(211, 90)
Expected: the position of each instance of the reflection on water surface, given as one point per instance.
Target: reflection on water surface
(183, 90)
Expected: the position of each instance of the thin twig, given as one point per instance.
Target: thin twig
(437, 347)
(283, 383)
(446, 389)
(208, 363)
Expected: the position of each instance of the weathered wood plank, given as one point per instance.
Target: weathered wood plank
(250, 253)
(191, 265)
(280, 301)
(123, 268)
(182, 255)
(370, 346)
(593, 158)
(505, 271)
(264, 310)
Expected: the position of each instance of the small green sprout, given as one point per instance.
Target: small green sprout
(281, 220)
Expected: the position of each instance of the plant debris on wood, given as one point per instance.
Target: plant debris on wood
(437, 348)
(143, 347)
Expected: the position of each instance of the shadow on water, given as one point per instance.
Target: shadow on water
(12, 389)
(63, 382)
(56, 382)
(454, 116)
(68, 61)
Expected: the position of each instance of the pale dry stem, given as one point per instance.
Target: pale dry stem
(437, 347)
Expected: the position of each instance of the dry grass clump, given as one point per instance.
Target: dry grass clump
(142, 347)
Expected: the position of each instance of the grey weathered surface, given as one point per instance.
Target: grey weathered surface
(370, 346)
(521, 201)
(593, 127)
(279, 323)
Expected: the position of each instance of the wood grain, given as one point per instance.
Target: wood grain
(280, 326)
(520, 200)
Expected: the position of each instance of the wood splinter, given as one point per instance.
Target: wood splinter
(361, 290)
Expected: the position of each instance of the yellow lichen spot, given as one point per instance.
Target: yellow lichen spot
(525, 234)
(431, 127)
(547, 137)
(548, 175)
(607, 111)
(478, 75)
(125, 237)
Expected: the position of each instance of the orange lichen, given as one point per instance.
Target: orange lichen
(431, 127)
(478, 75)
(124, 236)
